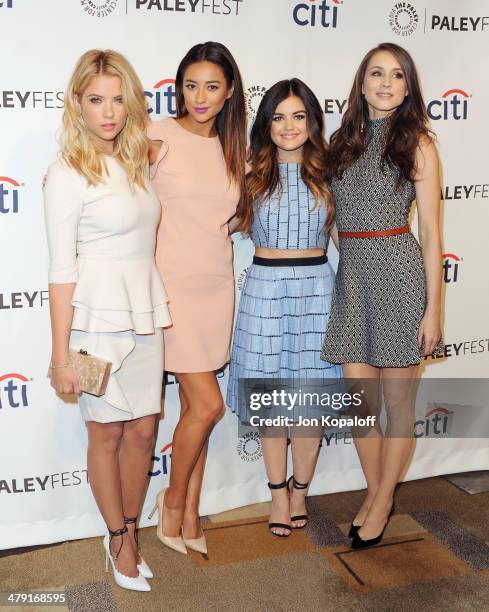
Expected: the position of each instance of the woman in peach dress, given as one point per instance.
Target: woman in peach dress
(198, 166)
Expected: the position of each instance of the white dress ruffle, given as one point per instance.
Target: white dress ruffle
(119, 294)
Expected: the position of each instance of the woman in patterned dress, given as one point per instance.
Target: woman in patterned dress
(285, 301)
(386, 309)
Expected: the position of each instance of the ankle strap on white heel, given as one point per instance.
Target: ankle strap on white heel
(114, 534)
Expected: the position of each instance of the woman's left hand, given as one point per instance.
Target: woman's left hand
(429, 334)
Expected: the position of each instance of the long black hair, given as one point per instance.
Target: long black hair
(231, 121)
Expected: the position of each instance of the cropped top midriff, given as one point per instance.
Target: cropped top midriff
(102, 238)
(287, 220)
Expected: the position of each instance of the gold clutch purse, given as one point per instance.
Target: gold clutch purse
(93, 371)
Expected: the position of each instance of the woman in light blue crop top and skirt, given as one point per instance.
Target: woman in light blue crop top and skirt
(286, 298)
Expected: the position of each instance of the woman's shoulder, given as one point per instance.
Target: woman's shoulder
(60, 172)
(160, 130)
(59, 166)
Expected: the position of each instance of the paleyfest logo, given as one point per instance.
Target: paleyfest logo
(214, 7)
(403, 19)
(162, 98)
(322, 13)
(99, 8)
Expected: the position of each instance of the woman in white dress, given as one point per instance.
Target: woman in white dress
(106, 296)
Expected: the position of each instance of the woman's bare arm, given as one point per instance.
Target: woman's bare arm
(427, 182)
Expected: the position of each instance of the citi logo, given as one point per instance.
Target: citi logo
(162, 461)
(9, 195)
(323, 13)
(436, 423)
(450, 267)
(452, 105)
(13, 391)
(162, 98)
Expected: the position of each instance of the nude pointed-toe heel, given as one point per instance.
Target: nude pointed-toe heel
(173, 542)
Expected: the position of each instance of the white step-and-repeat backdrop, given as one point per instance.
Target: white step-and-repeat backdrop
(44, 491)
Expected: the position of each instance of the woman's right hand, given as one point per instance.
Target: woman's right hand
(65, 380)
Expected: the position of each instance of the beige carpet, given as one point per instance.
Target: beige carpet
(434, 556)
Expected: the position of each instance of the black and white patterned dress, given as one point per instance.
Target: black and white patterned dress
(380, 291)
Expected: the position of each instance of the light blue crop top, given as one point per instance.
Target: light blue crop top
(288, 222)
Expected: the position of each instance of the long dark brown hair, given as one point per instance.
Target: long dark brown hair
(409, 121)
(264, 178)
(231, 120)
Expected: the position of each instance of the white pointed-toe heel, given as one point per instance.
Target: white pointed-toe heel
(142, 566)
(144, 569)
(173, 542)
(197, 544)
(137, 583)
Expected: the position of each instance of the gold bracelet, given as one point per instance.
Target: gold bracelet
(61, 365)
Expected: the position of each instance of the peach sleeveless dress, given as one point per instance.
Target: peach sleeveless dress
(193, 250)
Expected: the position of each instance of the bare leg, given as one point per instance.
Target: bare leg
(274, 446)
(191, 521)
(138, 440)
(104, 473)
(205, 405)
(305, 450)
(399, 396)
(369, 445)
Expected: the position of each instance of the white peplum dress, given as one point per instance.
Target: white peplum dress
(103, 239)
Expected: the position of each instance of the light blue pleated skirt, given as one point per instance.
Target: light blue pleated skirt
(281, 323)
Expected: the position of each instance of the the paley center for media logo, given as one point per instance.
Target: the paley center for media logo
(98, 8)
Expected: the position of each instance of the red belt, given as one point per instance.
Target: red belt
(376, 234)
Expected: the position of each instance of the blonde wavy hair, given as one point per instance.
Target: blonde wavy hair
(131, 145)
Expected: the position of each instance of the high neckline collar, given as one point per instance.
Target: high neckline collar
(379, 121)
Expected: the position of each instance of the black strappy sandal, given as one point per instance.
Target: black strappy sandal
(142, 566)
(299, 517)
(132, 521)
(280, 485)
